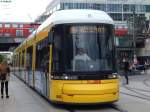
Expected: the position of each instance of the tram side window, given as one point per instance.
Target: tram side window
(57, 50)
(29, 58)
(42, 55)
(19, 62)
(23, 57)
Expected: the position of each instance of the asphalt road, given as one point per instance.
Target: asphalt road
(134, 97)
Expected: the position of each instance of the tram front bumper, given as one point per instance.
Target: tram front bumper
(90, 93)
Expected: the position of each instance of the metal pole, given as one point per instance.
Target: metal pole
(122, 11)
(134, 39)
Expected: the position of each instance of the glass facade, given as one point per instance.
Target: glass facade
(117, 11)
(125, 42)
(110, 7)
(147, 8)
(19, 33)
(7, 25)
(114, 8)
(83, 6)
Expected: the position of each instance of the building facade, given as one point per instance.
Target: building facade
(12, 34)
(119, 10)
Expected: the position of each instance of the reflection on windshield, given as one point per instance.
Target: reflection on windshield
(90, 48)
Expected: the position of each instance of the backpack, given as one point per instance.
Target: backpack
(3, 72)
(3, 76)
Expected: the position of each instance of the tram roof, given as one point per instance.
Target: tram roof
(77, 16)
(6, 52)
(72, 16)
(31, 35)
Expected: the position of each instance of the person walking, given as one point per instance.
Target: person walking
(4, 78)
(126, 69)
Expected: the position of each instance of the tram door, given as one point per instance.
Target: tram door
(42, 67)
(29, 73)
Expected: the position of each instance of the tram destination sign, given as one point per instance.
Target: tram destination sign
(87, 29)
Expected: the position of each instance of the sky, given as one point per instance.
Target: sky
(22, 10)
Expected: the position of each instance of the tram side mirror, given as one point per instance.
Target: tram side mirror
(50, 38)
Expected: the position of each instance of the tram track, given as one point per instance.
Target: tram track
(91, 108)
(115, 107)
(145, 82)
(138, 92)
(138, 89)
(137, 96)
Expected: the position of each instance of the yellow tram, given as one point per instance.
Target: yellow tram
(71, 58)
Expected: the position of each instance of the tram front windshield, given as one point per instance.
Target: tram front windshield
(88, 48)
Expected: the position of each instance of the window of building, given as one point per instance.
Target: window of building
(78, 5)
(15, 25)
(139, 8)
(90, 6)
(114, 7)
(82, 5)
(117, 16)
(126, 8)
(132, 8)
(58, 7)
(75, 5)
(1, 25)
(19, 33)
(102, 7)
(7, 25)
(66, 5)
(31, 30)
(147, 8)
(61, 6)
(21, 25)
(127, 15)
(54, 9)
(99, 7)
(143, 9)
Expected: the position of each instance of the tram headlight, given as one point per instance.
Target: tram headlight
(112, 76)
(69, 77)
(65, 77)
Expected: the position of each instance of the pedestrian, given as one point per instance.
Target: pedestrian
(126, 69)
(4, 78)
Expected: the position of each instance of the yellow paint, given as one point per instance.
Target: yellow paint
(50, 59)
(103, 98)
(71, 91)
(41, 35)
(50, 68)
(78, 91)
(25, 58)
(90, 88)
(34, 63)
(20, 59)
(56, 87)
